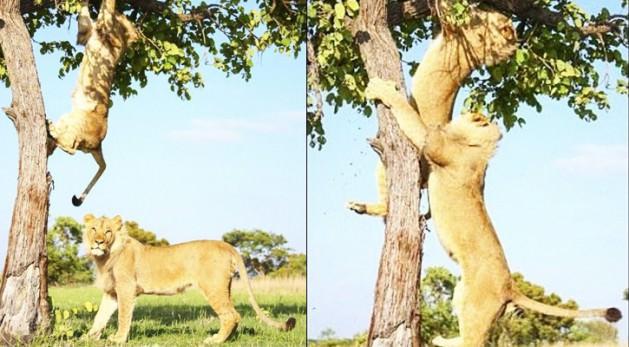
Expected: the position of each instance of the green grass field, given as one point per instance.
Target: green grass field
(185, 319)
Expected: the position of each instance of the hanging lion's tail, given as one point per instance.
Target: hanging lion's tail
(242, 270)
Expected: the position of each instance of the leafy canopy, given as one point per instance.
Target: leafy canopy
(177, 36)
(559, 48)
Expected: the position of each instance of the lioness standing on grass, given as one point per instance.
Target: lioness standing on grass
(125, 268)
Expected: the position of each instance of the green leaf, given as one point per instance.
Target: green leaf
(352, 5)
(520, 56)
(339, 10)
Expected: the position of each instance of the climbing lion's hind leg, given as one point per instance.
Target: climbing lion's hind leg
(98, 156)
(381, 208)
(477, 310)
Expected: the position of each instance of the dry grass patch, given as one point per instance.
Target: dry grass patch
(268, 285)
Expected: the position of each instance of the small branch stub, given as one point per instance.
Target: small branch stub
(11, 114)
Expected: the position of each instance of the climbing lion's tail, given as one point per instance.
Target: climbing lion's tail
(242, 270)
(611, 314)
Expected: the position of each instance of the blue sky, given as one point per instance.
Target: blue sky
(556, 191)
(233, 157)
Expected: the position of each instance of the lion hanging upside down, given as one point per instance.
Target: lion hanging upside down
(458, 154)
(125, 269)
(85, 127)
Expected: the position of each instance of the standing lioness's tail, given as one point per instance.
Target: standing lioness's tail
(611, 314)
(242, 270)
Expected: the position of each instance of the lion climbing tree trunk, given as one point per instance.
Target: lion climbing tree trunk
(395, 319)
(23, 294)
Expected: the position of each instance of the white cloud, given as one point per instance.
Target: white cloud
(591, 159)
(235, 129)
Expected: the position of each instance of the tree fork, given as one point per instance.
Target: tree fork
(395, 320)
(24, 306)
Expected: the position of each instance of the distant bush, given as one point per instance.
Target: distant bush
(263, 252)
(295, 266)
(62, 245)
(144, 236)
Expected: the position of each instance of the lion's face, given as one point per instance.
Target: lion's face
(475, 130)
(100, 233)
(491, 37)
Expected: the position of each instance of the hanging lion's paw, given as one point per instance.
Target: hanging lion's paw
(370, 209)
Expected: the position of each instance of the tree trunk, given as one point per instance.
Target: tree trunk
(395, 319)
(24, 303)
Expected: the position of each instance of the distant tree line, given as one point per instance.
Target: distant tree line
(264, 253)
(519, 328)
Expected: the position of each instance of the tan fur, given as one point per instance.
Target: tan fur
(459, 153)
(488, 39)
(125, 269)
(84, 24)
(453, 55)
(85, 127)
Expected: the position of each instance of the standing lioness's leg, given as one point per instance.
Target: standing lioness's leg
(126, 297)
(219, 298)
(108, 306)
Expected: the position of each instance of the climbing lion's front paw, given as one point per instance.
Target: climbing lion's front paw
(357, 207)
(383, 90)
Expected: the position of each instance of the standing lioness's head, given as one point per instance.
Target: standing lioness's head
(100, 233)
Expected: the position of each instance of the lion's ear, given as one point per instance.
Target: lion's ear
(117, 222)
(88, 218)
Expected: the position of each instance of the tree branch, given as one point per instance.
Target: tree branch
(154, 6)
(525, 10)
(10, 112)
(198, 13)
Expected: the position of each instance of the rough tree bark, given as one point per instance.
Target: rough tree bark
(395, 318)
(24, 303)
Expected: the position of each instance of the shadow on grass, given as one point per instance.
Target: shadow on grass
(184, 331)
(168, 314)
